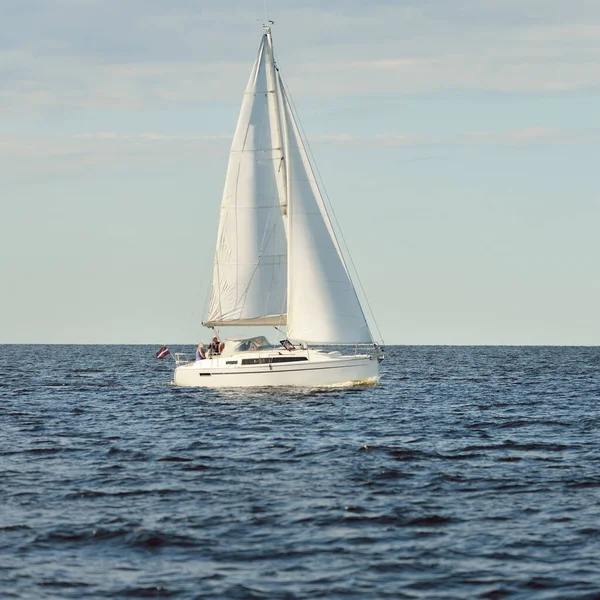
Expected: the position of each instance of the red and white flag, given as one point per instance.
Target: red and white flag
(164, 351)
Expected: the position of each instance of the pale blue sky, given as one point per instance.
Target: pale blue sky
(458, 141)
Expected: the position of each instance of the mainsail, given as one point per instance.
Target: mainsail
(277, 259)
(250, 269)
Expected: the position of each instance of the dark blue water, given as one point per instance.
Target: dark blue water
(468, 473)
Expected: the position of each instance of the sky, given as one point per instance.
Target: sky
(458, 142)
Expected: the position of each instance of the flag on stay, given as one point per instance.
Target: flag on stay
(164, 351)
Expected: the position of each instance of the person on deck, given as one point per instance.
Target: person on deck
(214, 348)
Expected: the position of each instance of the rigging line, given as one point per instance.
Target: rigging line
(341, 233)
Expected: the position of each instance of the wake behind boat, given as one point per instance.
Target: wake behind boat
(278, 262)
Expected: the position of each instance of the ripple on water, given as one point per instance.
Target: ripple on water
(468, 473)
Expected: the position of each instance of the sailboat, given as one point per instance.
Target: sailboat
(277, 260)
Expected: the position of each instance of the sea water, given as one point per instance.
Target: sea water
(469, 472)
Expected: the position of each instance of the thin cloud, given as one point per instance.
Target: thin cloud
(153, 137)
(29, 153)
(113, 56)
(31, 157)
(518, 137)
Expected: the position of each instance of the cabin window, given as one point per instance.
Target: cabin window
(272, 359)
(284, 359)
(231, 362)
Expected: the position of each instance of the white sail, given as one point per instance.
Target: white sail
(250, 269)
(322, 303)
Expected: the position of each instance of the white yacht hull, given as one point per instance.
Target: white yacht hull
(319, 369)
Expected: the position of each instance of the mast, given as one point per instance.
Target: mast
(283, 139)
(273, 77)
(288, 194)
